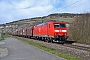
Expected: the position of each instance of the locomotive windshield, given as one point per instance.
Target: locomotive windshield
(59, 25)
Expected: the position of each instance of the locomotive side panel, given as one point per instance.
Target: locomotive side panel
(50, 29)
(44, 30)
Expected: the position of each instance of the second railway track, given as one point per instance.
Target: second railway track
(77, 47)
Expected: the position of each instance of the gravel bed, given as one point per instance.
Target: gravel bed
(3, 52)
(85, 55)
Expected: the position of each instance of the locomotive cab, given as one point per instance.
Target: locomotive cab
(60, 32)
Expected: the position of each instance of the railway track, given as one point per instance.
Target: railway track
(77, 47)
(71, 44)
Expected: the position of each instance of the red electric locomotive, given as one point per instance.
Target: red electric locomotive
(51, 31)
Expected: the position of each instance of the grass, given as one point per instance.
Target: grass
(53, 51)
(2, 37)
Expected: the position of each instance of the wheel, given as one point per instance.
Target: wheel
(48, 39)
(51, 40)
(40, 38)
(34, 37)
(45, 39)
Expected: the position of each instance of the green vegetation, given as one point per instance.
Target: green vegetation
(53, 51)
(2, 36)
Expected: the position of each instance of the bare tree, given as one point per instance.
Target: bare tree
(80, 28)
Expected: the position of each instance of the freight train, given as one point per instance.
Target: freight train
(50, 32)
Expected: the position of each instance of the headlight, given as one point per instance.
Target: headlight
(56, 30)
(64, 30)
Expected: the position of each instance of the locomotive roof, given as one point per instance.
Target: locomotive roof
(42, 24)
(48, 22)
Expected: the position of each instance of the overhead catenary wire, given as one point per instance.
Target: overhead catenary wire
(68, 5)
(71, 4)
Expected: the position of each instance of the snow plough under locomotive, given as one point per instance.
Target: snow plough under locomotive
(50, 31)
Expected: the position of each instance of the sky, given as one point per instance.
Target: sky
(13, 10)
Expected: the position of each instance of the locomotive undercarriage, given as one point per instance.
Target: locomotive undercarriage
(60, 39)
